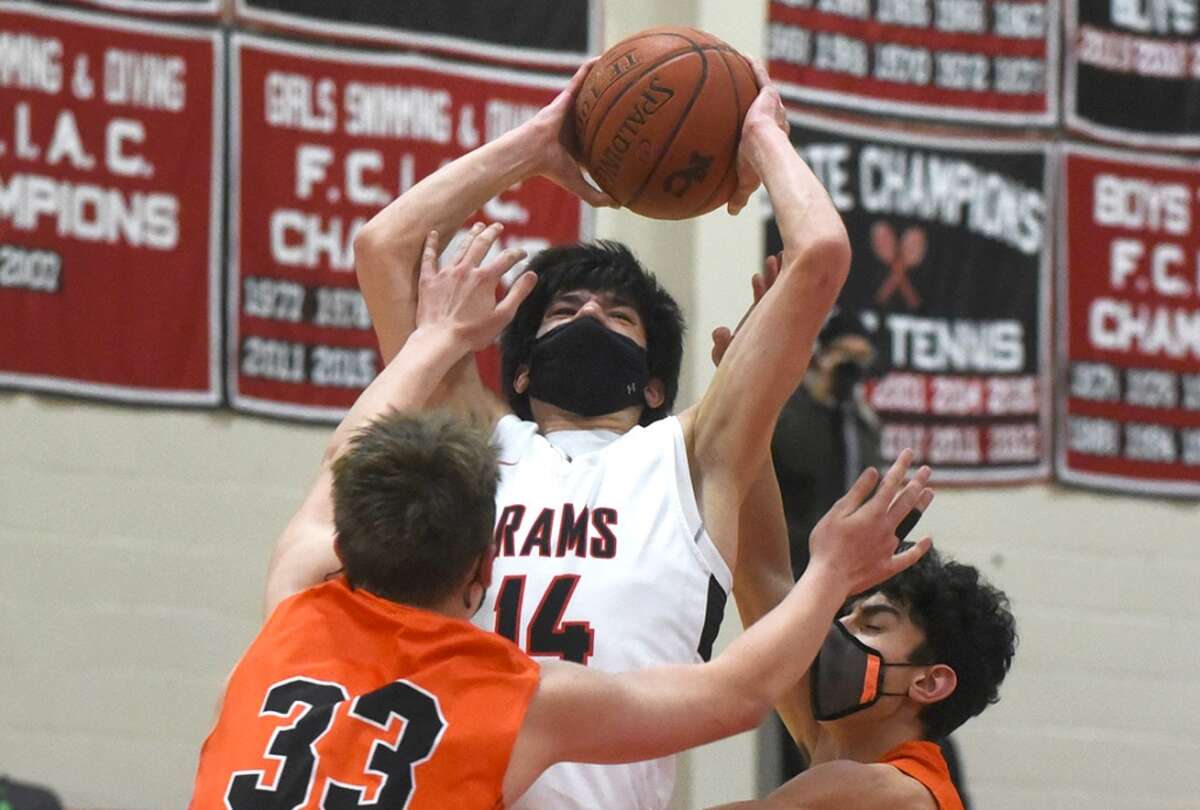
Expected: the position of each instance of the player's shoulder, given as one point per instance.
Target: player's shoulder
(864, 786)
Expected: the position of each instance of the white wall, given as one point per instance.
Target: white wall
(134, 543)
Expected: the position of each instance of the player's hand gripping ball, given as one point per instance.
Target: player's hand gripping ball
(659, 119)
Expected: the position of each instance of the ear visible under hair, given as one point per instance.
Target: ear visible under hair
(520, 383)
(655, 393)
(934, 685)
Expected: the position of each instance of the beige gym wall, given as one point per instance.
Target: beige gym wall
(134, 543)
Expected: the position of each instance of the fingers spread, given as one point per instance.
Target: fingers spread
(909, 556)
(482, 244)
(503, 263)
(465, 243)
(925, 500)
(904, 503)
(429, 254)
(517, 292)
(894, 479)
(858, 493)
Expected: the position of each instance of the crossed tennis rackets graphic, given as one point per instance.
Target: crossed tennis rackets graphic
(900, 256)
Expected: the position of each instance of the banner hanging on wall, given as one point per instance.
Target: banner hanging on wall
(328, 138)
(962, 60)
(1129, 314)
(110, 194)
(1133, 71)
(951, 272)
(553, 34)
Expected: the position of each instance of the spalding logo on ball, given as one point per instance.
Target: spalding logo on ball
(659, 119)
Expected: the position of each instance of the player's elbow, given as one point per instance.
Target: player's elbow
(825, 260)
(368, 244)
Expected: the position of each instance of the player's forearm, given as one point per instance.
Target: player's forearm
(809, 223)
(763, 579)
(387, 250)
(763, 575)
(406, 383)
(771, 656)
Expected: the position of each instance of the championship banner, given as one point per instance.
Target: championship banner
(187, 9)
(976, 61)
(951, 272)
(554, 34)
(327, 138)
(110, 196)
(1129, 314)
(1133, 71)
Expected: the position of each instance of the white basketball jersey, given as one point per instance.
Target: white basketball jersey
(602, 559)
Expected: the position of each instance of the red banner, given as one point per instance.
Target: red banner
(953, 60)
(110, 189)
(327, 138)
(1129, 300)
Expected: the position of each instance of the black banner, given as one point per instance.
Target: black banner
(550, 33)
(1133, 71)
(951, 271)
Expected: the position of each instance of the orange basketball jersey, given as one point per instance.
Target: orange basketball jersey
(924, 762)
(349, 700)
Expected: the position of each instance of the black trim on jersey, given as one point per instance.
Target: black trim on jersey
(713, 614)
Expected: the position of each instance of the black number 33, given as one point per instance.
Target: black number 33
(296, 745)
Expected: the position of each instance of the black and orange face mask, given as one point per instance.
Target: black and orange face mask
(847, 675)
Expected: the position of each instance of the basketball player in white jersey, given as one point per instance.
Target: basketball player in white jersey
(616, 529)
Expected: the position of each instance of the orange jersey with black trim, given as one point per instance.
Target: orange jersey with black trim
(347, 700)
(924, 762)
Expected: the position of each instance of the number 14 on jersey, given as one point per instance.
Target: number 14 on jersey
(546, 634)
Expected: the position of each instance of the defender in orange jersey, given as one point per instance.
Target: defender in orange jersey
(372, 689)
(908, 663)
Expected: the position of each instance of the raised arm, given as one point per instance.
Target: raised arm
(387, 250)
(729, 430)
(582, 715)
(458, 314)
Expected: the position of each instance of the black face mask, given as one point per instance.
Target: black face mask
(587, 369)
(847, 675)
(845, 376)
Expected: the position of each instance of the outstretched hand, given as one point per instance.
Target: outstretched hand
(857, 537)
(461, 296)
(722, 336)
(559, 157)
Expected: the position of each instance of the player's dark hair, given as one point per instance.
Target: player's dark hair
(413, 505)
(600, 266)
(968, 626)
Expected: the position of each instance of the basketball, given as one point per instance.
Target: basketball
(659, 118)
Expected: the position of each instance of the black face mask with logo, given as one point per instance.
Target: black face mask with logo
(847, 675)
(587, 369)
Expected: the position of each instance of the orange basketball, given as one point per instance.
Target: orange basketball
(659, 118)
